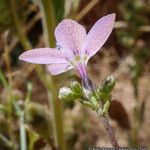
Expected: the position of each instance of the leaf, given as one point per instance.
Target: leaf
(118, 113)
(3, 79)
(59, 9)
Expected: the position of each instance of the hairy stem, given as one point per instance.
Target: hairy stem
(110, 132)
(89, 85)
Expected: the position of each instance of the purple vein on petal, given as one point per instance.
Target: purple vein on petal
(70, 35)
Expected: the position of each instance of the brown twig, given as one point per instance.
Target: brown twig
(86, 9)
(27, 29)
(123, 24)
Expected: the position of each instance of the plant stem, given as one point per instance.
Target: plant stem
(110, 132)
(23, 144)
(104, 119)
(49, 23)
(7, 142)
(10, 118)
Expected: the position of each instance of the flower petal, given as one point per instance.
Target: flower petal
(43, 56)
(70, 36)
(56, 69)
(98, 35)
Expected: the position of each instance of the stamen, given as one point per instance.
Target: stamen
(58, 46)
(77, 58)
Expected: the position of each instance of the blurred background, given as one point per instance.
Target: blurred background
(30, 112)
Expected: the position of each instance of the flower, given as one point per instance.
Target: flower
(74, 46)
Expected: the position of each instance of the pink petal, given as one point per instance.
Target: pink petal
(70, 36)
(43, 56)
(56, 69)
(98, 35)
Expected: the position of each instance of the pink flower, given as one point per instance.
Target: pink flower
(74, 46)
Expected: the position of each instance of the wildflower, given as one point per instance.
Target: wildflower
(74, 46)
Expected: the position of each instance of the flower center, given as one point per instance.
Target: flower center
(79, 59)
(80, 63)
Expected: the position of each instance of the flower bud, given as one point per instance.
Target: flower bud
(110, 79)
(76, 87)
(66, 93)
(106, 88)
(88, 87)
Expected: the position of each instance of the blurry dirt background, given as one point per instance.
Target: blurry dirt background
(125, 55)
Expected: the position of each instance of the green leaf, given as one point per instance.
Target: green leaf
(3, 79)
(106, 89)
(106, 107)
(76, 88)
(59, 9)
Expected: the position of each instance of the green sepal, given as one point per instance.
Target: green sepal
(106, 89)
(106, 108)
(94, 101)
(88, 104)
(76, 88)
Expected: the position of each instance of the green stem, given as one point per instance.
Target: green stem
(102, 110)
(133, 136)
(49, 23)
(23, 144)
(10, 117)
(3, 79)
(7, 142)
(56, 108)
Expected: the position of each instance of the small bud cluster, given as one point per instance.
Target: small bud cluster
(71, 93)
(90, 95)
